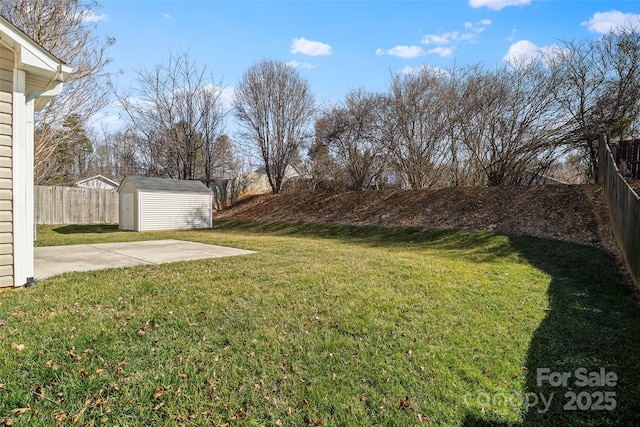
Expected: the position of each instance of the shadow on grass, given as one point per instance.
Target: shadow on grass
(84, 229)
(479, 246)
(592, 324)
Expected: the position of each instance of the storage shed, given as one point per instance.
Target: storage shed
(163, 204)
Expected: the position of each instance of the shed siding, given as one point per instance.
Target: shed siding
(6, 163)
(167, 211)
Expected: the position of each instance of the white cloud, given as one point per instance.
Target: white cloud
(478, 27)
(166, 16)
(90, 16)
(444, 52)
(296, 64)
(105, 122)
(311, 48)
(445, 42)
(226, 98)
(524, 53)
(441, 39)
(411, 70)
(402, 51)
(497, 4)
(612, 21)
(456, 37)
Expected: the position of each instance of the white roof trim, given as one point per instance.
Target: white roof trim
(34, 59)
(31, 56)
(100, 178)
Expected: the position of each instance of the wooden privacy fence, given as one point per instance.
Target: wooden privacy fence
(74, 205)
(627, 156)
(624, 209)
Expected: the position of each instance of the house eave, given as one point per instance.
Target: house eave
(36, 61)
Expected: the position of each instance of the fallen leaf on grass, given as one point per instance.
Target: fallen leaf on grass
(312, 421)
(18, 347)
(159, 392)
(51, 364)
(81, 355)
(405, 404)
(61, 417)
(20, 411)
(76, 417)
(423, 418)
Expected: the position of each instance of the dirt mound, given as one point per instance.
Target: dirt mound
(576, 213)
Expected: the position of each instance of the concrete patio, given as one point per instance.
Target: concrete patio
(52, 260)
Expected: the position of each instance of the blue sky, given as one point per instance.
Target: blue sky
(341, 45)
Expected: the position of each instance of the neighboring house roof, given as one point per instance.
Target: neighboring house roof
(107, 181)
(289, 172)
(45, 70)
(165, 184)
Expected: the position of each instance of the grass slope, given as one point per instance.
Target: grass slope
(325, 325)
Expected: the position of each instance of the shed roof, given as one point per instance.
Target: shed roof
(98, 178)
(166, 184)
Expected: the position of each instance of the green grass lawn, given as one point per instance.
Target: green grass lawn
(326, 325)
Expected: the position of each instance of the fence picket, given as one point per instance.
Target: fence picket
(624, 205)
(74, 205)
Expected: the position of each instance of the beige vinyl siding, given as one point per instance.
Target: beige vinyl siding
(168, 211)
(6, 163)
(34, 82)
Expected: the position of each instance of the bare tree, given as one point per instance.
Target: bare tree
(222, 163)
(175, 114)
(462, 169)
(114, 154)
(323, 171)
(418, 126)
(274, 106)
(508, 123)
(597, 82)
(66, 29)
(355, 135)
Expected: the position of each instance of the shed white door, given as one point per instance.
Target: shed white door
(126, 212)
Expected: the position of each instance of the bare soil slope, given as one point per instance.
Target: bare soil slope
(576, 213)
